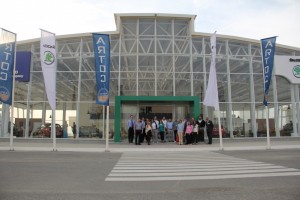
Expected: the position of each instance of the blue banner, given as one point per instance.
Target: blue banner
(267, 51)
(22, 71)
(102, 67)
(7, 54)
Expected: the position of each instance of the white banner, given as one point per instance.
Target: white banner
(49, 63)
(211, 95)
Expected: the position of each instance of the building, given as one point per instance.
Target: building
(160, 66)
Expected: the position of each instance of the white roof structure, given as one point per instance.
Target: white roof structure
(155, 54)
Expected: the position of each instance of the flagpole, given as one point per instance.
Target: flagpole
(53, 130)
(220, 132)
(268, 128)
(107, 130)
(13, 99)
(267, 52)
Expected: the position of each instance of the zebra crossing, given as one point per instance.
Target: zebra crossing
(167, 166)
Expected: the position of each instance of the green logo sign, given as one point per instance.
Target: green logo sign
(296, 71)
(49, 58)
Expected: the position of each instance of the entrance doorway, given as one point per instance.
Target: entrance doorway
(169, 110)
(149, 106)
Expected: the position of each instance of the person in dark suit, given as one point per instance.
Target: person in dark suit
(130, 126)
(209, 129)
(201, 126)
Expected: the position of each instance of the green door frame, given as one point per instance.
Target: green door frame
(120, 99)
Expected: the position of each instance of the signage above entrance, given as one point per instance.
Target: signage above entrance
(288, 67)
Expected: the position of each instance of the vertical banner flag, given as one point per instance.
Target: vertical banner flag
(211, 95)
(267, 51)
(49, 63)
(22, 71)
(102, 67)
(7, 54)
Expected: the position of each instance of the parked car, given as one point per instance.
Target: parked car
(215, 132)
(15, 130)
(89, 131)
(287, 129)
(45, 131)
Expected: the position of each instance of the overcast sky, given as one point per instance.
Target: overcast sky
(255, 19)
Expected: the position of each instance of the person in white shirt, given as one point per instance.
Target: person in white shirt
(165, 131)
(195, 132)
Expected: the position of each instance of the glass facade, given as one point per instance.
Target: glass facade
(156, 55)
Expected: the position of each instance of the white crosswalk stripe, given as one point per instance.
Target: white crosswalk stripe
(164, 166)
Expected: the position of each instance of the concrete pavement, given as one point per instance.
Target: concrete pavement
(96, 145)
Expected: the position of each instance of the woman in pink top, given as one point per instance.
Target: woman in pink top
(188, 132)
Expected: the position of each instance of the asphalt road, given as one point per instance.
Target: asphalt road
(85, 176)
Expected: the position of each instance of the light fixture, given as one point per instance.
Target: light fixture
(50, 116)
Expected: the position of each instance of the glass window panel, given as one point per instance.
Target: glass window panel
(146, 63)
(239, 65)
(198, 85)
(146, 45)
(163, 26)
(240, 87)
(128, 85)
(129, 45)
(146, 26)
(182, 64)
(164, 44)
(181, 27)
(128, 63)
(181, 45)
(164, 64)
(258, 87)
(182, 84)
(197, 45)
(283, 89)
(197, 64)
(164, 87)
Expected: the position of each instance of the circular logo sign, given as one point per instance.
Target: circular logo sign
(49, 57)
(4, 93)
(102, 95)
(296, 71)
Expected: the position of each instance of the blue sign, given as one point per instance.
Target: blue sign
(7, 54)
(102, 67)
(22, 71)
(267, 51)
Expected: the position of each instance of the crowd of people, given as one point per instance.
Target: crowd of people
(164, 130)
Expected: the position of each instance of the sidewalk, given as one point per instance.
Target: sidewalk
(96, 145)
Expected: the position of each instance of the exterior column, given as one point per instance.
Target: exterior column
(6, 113)
(137, 57)
(79, 91)
(26, 133)
(229, 110)
(173, 59)
(119, 76)
(204, 77)
(155, 59)
(191, 64)
(252, 94)
(276, 112)
(43, 108)
(64, 122)
(293, 109)
(297, 107)
(3, 120)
